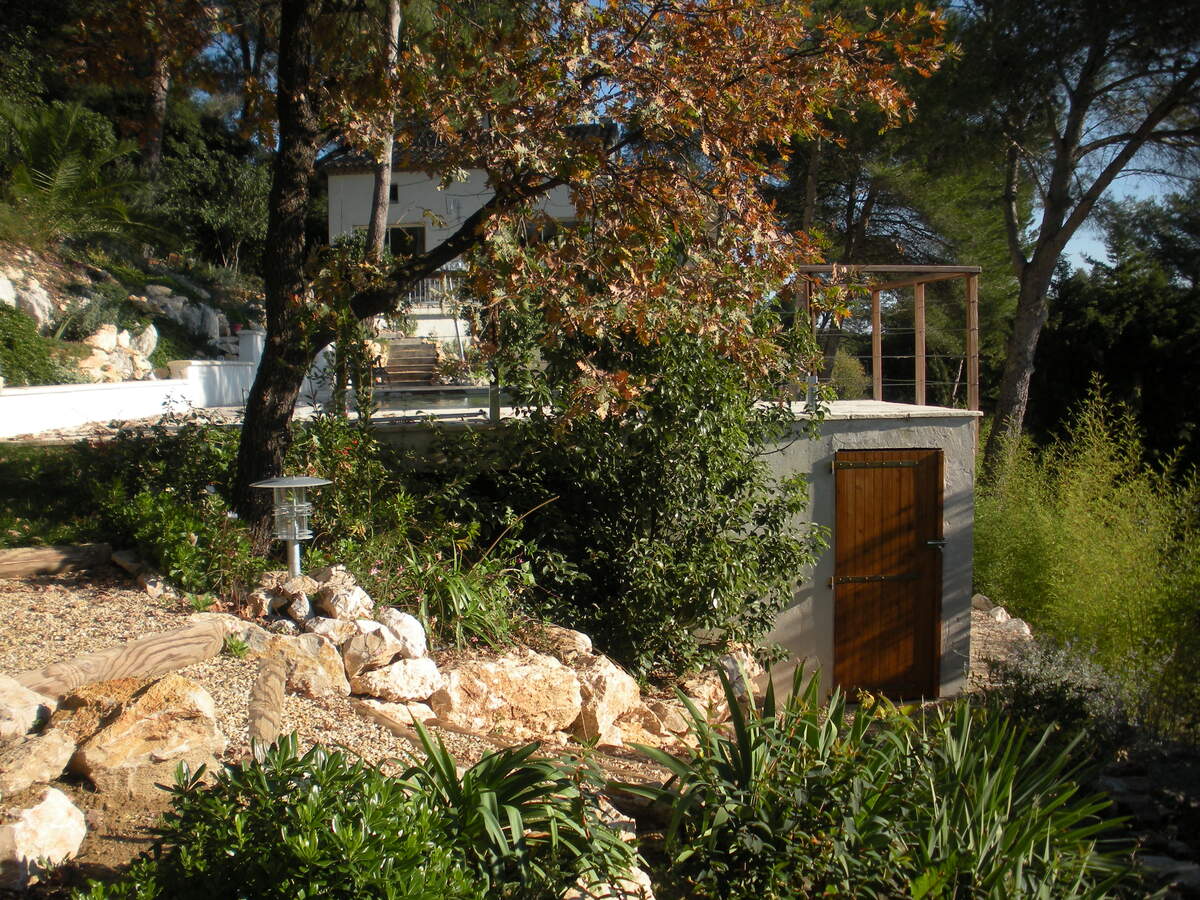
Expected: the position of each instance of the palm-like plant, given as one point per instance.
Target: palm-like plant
(65, 178)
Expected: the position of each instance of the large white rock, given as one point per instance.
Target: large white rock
(1000, 614)
(745, 673)
(314, 666)
(403, 681)
(20, 708)
(104, 338)
(33, 300)
(47, 833)
(521, 690)
(131, 733)
(396, 717)
(336, 630)
(146, 342)
(606, 692)
(408, 632)
(339, 596)
(8, 294)
(34, 759)
(370, 648)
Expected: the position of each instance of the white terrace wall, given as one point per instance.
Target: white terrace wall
(196, 384)
(805, 627)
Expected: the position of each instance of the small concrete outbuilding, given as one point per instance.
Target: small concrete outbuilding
(887, 607)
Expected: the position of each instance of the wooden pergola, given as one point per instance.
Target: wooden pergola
(880, 278)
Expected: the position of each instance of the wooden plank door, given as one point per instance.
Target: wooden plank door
(887, 582)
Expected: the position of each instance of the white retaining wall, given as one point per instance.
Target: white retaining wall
(194, 383)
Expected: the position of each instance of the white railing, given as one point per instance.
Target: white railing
(438, 291)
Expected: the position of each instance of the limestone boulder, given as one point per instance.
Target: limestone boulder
(131, 733)
(258, 604)
(300, 609)
(314, 666)
(999, 614)
(8, 293)
(563, 644)
(339, 596)
(396, 717)
(338, 631)
(606, 692)
(403, 681)
(35, 302)
(408, 631)
(104, 338)
(671, 714)
(746, 674)
(47, 833)
(706, 691)
(371, 648)
(33, 760)
(145, 342)
(21, 709)
(519, 690)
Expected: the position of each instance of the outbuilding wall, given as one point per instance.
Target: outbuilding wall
(805, 628)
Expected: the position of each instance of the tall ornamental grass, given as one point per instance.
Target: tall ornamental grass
(1099, 551)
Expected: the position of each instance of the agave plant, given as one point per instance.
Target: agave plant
(529, 824)
(804, 799)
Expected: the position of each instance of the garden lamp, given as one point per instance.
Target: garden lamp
(292, 509)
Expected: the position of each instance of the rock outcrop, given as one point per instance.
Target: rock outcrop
(44, 834)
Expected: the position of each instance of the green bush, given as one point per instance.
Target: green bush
(1098, 550)
(312, 825)
(800, 801)
(27, 358)
(324, 825)
(663, 515)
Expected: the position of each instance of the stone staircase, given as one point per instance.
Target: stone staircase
(411, 362)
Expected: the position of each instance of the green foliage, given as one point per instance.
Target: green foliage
(848, 377)
(67, 179)
(798, 800)
(311, 825)
(323, 824)
(157, 488)
(1098, 550)
(1135, 323)
(42, 500)
(28, 358)
(528, 824)
(662, 514)
(211, 188)
(235, 647)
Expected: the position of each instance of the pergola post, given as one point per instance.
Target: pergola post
(876, 347)
(919, 336)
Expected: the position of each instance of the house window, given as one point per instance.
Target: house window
(393, 193)
(406, 240)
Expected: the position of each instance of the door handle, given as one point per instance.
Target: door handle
(940, 543)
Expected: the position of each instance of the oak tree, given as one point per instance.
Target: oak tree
(654, 116)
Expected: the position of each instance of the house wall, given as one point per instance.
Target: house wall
(805, 627)
(420, 202)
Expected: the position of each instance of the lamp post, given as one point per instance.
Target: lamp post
(292, 511)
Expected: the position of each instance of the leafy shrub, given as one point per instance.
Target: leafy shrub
(662, 514)
(1047, 686)
(28, 358)
(1097, 550)
(798, 801)
(42, 500)
(324, 825)
(158, 488)
(848, 377)
(311, 825)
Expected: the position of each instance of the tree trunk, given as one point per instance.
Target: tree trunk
(160, 86)
(377, 228)
(292, 344)
(1032, 308)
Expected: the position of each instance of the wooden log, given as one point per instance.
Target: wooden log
(266, 700)
(155, 654)
(24, 561)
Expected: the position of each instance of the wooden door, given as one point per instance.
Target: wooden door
(887, 583)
